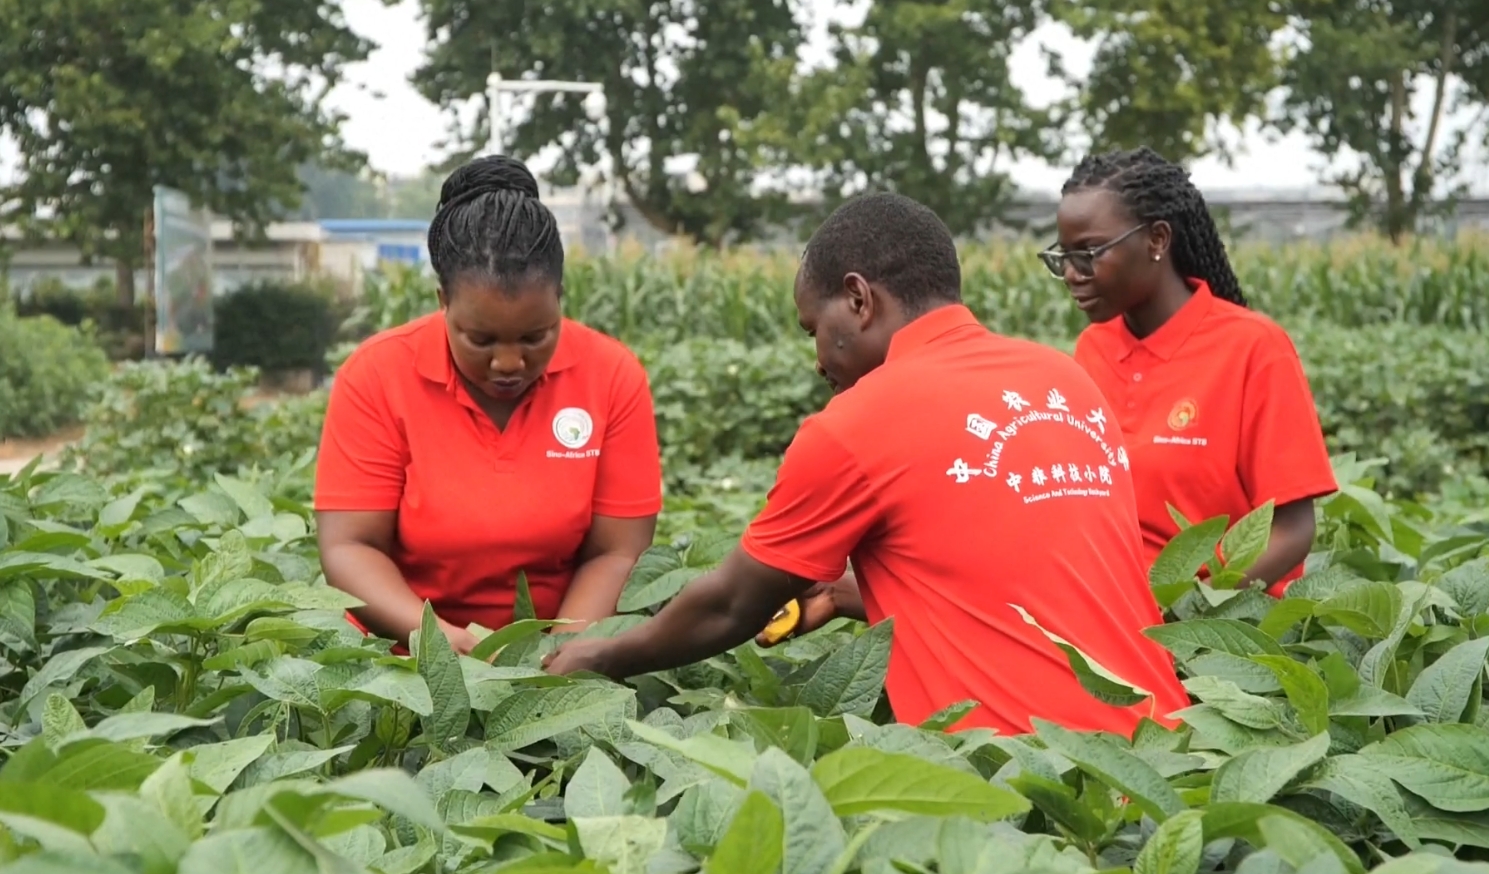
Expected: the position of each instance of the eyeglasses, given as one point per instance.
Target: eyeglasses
(1083, 260)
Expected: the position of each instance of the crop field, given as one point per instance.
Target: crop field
(179, 690)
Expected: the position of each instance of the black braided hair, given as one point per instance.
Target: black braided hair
(491, 224)
(1152, 188)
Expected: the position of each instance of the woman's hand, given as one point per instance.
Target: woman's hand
(461, 641)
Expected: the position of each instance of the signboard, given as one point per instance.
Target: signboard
(183, 275)
(402, 254)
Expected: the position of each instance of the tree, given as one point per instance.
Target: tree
(221, 99)
(339, 194)
(686, 82)
(1172, 74)
(1353, 86)
(920, 101)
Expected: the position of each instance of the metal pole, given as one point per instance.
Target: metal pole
(496, 85)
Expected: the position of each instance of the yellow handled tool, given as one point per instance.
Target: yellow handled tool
(784, 622)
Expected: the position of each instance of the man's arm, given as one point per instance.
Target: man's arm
(715, 613)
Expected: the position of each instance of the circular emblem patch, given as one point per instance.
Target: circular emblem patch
(1182, 415)
(572, 427)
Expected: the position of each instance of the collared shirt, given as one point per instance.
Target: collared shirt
(977, 482)
(1217, 415)
(476, 503)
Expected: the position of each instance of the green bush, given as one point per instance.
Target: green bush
(186, 420)
(274, 327)
(182, 694)
(120, 328)
(46, 371)
(1416, 394)
(720, 398)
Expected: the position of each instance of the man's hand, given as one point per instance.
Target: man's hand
(818, 607)
(586, 654)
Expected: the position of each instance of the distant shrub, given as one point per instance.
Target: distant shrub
(275, 327)
(46, 372)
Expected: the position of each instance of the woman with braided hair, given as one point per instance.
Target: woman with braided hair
(1210, 396)
(490, 438)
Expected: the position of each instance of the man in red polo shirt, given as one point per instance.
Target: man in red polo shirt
(972, 480)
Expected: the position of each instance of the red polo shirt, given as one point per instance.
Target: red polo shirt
(1216, 412)
(476, 503)
(971, 476)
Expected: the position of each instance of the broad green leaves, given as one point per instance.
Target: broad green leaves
(207, 705)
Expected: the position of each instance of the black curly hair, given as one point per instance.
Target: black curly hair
(1152, 188)
(490, 223)
(890, 239)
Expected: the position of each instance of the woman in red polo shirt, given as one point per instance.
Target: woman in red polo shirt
(1210, 395)
(489, 438)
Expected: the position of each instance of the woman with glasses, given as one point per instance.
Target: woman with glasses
(1211, 398)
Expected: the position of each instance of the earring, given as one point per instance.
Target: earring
(1157, 257)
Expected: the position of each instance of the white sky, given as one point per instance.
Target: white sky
(398, 129)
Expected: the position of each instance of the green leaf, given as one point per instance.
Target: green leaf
(1305, 690)
(949, 715)
(860, 780)
(730, 759)
(231, 560)
(1175, 848)
(1371, 701)
(1299, 845)
(88, 765)
(522, 607)
(1114, 766)
(1443, 688)
(533, 715)
(129, 726)
(1252, 711)
(623, 844)
(1468, 586)
(1058, 801)
(253, 504)
(522, 629)
(440, 668)
(1258, 774)
(386, 683)
(1446, 764)
(1103, 685)
(1247, 540)
(393, 790)
(754, 842)
(598, 788)
(169, 790)
(118, 512)
(1369, 610)
(57, 861)
(661, 588)
(218, 765)
(17, 616)
(256, 850)
(851, 679)
(1242, 820)
(1183, 556)
(814, 836)
(69, 808)
(1221, 635)
(1356, 779)
(59, 720)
